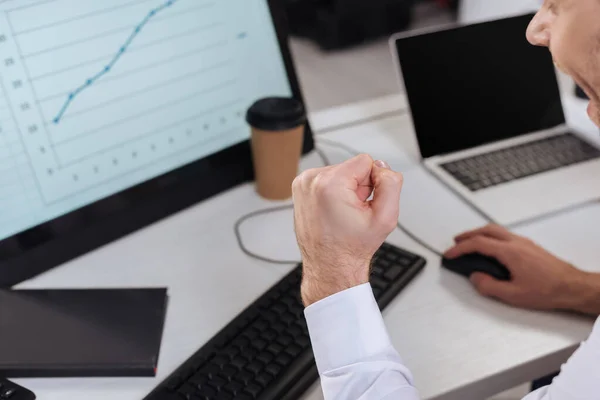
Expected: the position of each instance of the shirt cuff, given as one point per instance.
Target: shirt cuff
(347, 328)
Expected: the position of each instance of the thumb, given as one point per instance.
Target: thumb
(387, 186)
(490, 287)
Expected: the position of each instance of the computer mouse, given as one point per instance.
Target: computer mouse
(466, 265)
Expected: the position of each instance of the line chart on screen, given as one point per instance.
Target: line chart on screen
(103, 89)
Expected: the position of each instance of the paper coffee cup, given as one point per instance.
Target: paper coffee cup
(277, 136)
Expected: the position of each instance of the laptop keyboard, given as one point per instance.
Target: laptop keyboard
(491, 169)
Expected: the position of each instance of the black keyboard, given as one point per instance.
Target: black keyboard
(265, 352)
(505, 165)
(11, 391)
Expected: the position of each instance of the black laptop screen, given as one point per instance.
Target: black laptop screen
(478, 84)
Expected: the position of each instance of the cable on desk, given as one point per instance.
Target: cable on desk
(244, 218)
(238, 235)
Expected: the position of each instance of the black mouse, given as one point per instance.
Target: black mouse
(466, 265)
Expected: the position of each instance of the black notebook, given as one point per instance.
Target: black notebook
(81, 333)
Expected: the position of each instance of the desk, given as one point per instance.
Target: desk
(458, 345)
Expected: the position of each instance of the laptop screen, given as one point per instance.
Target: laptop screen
(478, 84)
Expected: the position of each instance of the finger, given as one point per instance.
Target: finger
(356, 175)
(479, 244)
(489, 287)
(387, 186)
(305, 179)
(491, 230)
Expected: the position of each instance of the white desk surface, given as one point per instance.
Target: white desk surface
(458, 345)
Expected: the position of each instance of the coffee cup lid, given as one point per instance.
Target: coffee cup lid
(276, 114)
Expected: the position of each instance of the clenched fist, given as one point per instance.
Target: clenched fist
(339, 227)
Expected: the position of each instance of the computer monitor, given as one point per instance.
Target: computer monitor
(115, 114)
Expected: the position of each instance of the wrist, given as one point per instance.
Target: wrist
(582, 293)
(317, 286)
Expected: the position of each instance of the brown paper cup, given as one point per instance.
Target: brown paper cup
(276, 156)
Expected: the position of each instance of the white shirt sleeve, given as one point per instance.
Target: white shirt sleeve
(354, 355)
(579, 378)
(356, 360)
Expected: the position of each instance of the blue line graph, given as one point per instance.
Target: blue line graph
(90, 81)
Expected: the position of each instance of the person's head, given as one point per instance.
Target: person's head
(571, 30)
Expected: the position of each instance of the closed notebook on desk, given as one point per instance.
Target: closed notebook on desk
(81, 333)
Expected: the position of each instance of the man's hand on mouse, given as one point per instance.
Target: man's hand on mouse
(539, 280)
(338, 228)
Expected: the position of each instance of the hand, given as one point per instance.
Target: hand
(539, 280)
(337, 228)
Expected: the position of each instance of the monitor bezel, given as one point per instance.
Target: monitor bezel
(48, 245)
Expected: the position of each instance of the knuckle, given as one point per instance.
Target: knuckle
(297, 183)
(321, 183)
(392, 176)
(364, 157)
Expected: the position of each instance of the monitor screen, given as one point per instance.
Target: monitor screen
(114, 114)
(98, 96)
(478, 84)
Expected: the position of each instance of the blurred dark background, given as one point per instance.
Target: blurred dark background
(337, 24)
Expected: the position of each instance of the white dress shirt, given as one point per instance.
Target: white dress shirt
(357, 361)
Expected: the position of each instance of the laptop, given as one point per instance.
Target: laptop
(489, 121)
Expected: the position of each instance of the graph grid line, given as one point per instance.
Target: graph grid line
(90, 81)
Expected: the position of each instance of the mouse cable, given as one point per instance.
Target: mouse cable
(271, 210)
(244, 218)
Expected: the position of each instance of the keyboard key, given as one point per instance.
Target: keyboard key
(224, 396)
(234, 388)
(273, 369)
(270, 316)
(284, 340)
(239, 362)
(208, 392)
(265, 357)
(231, 351)
(378, 270)
(9, 393)
(244, 377)
(264, 378)
(253, 390)
(220, 361)
(303, 342)
(270, 335)
(198, 379)
(377, 292)
(283, 359)
(241, 342)
(217, 382)
(289, 301)
(259, 344)
(255, 367)
(295, 331)
(293, 350)
(251, 334)
(288, 318)
(275, 348)
(211, 370)
(249, 353)
(378, 283)
(261, 325)
(394, 272)
(229, 372)
(278, 328)
(279, 308)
